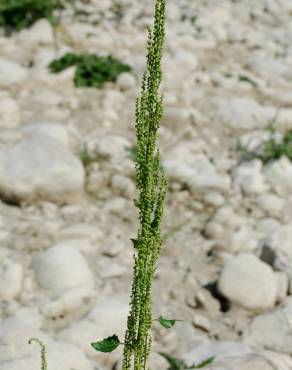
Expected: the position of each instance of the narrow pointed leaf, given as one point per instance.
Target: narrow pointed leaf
(175, 363)
(166, 323)
(204, 363)
(107, 345)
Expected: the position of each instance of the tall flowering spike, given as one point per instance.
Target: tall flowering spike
(152, 186)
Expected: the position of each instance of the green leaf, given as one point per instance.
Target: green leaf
(204, 363)
(175, 363)
(243, 78)
(108, 344)
(166, 323)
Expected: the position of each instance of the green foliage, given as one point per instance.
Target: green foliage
(91, 70)
(269, 150)
(152, 185)
(19, 14)
(107, 345)
(177, 364)
(43, 352)
(166, 323)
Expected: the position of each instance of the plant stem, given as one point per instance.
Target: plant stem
(152, 186)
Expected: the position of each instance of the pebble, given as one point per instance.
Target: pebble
(11, 73)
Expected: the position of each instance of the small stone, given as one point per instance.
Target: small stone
(201, 322)
(126, 81)
(113, 270)
(11, 73)
(11, 277)
(41, 33)
(271, 204)
(249, 178)
(283, 283)
(9, 112)
(278, 175)
(205, 298)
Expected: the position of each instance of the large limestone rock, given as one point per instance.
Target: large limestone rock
(248, 281)
(40, 168)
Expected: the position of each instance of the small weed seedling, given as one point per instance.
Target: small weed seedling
(91, 70)
(19, 14)
(269, 150)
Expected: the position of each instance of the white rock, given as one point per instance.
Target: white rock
(16, 353)
(271, 204)
(272, 331)
(65, 135)
(39, 167)
(75, 302)
(126, 81)
(81, 231)
(201, 175)
(41, 33)
(61, 268)
(175, 116)
(107, 317)
(11, 73)
(113, 270)
(278, 175)
(11, 277)
(123, 185)
(201, 322)
(249, 178)
(283, 283)
(244, 113)
(247, 280)
(14, 333)
(219, 350)
(237, 356)
(270, 68)
(112, 145)
(214, 199)
(9, 112)
(239, 240)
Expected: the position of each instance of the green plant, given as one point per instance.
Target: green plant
(152, 185)
(269, 150)
(177, 364)
(43, 352)
(91, 70)
(19, 14)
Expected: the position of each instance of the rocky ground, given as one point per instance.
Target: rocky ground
(65, 225)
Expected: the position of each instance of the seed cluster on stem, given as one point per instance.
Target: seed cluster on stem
(152, 186)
